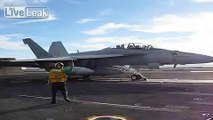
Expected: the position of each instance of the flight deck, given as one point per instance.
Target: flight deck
(109, 98)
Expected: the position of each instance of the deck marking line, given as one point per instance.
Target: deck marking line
(191, 93)
(146, 108)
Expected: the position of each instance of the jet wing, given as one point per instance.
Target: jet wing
(38, 62)
(57, 59)
(71, 58)
(17, 63)
(33, 62)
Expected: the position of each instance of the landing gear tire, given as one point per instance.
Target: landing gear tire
(138, 77)
(134, 77)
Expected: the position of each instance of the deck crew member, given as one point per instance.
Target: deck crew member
(57, 78)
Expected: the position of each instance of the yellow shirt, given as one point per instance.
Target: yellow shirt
(57, 75)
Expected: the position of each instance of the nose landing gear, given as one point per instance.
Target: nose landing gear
(138, 76)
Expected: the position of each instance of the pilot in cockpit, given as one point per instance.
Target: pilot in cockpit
(122, 46)
(137, 46)
(130, 46)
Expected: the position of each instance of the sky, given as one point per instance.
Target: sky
(185, 25)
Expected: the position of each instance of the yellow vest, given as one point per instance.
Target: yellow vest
(57, 75)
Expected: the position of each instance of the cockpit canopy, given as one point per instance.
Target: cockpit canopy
(135, 46)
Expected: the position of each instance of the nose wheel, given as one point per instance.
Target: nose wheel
(135, 77)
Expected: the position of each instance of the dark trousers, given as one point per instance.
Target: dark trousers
(61, 86)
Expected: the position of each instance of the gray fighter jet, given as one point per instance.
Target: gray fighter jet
(104, 61)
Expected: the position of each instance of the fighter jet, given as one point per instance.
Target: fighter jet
(151, 57)
(103, 61)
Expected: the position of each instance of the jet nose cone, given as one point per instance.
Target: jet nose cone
(209, 58)
(192, 58)
(201, 58)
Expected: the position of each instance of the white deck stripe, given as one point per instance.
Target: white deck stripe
(146, 108)
(202, 103)
(191, 93)
(179, 81)
(201, 71)
(29, 96)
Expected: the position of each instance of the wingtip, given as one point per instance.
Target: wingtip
(26, 40)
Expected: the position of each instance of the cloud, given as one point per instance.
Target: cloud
(8, 42)
(172, 23)
(202, 1)
(200, 27)
(197, 32)
(100, 14)
(12, 46)
(113, 40)
(108, 27)
(171, 2)
(188, 43)
(168, 23)
(50, 18)
(86, 20)
(106, 12)
(97, 43)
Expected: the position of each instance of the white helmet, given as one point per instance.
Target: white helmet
(60, 64)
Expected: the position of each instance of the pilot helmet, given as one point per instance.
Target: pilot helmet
(59, 65)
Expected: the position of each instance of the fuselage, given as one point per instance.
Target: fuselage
(140, 56)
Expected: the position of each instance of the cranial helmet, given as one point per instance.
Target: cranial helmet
(59, 64)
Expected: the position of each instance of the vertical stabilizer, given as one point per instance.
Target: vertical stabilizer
(37, 50)
(58, 50)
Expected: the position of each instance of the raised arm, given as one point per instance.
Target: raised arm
(68, 69)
